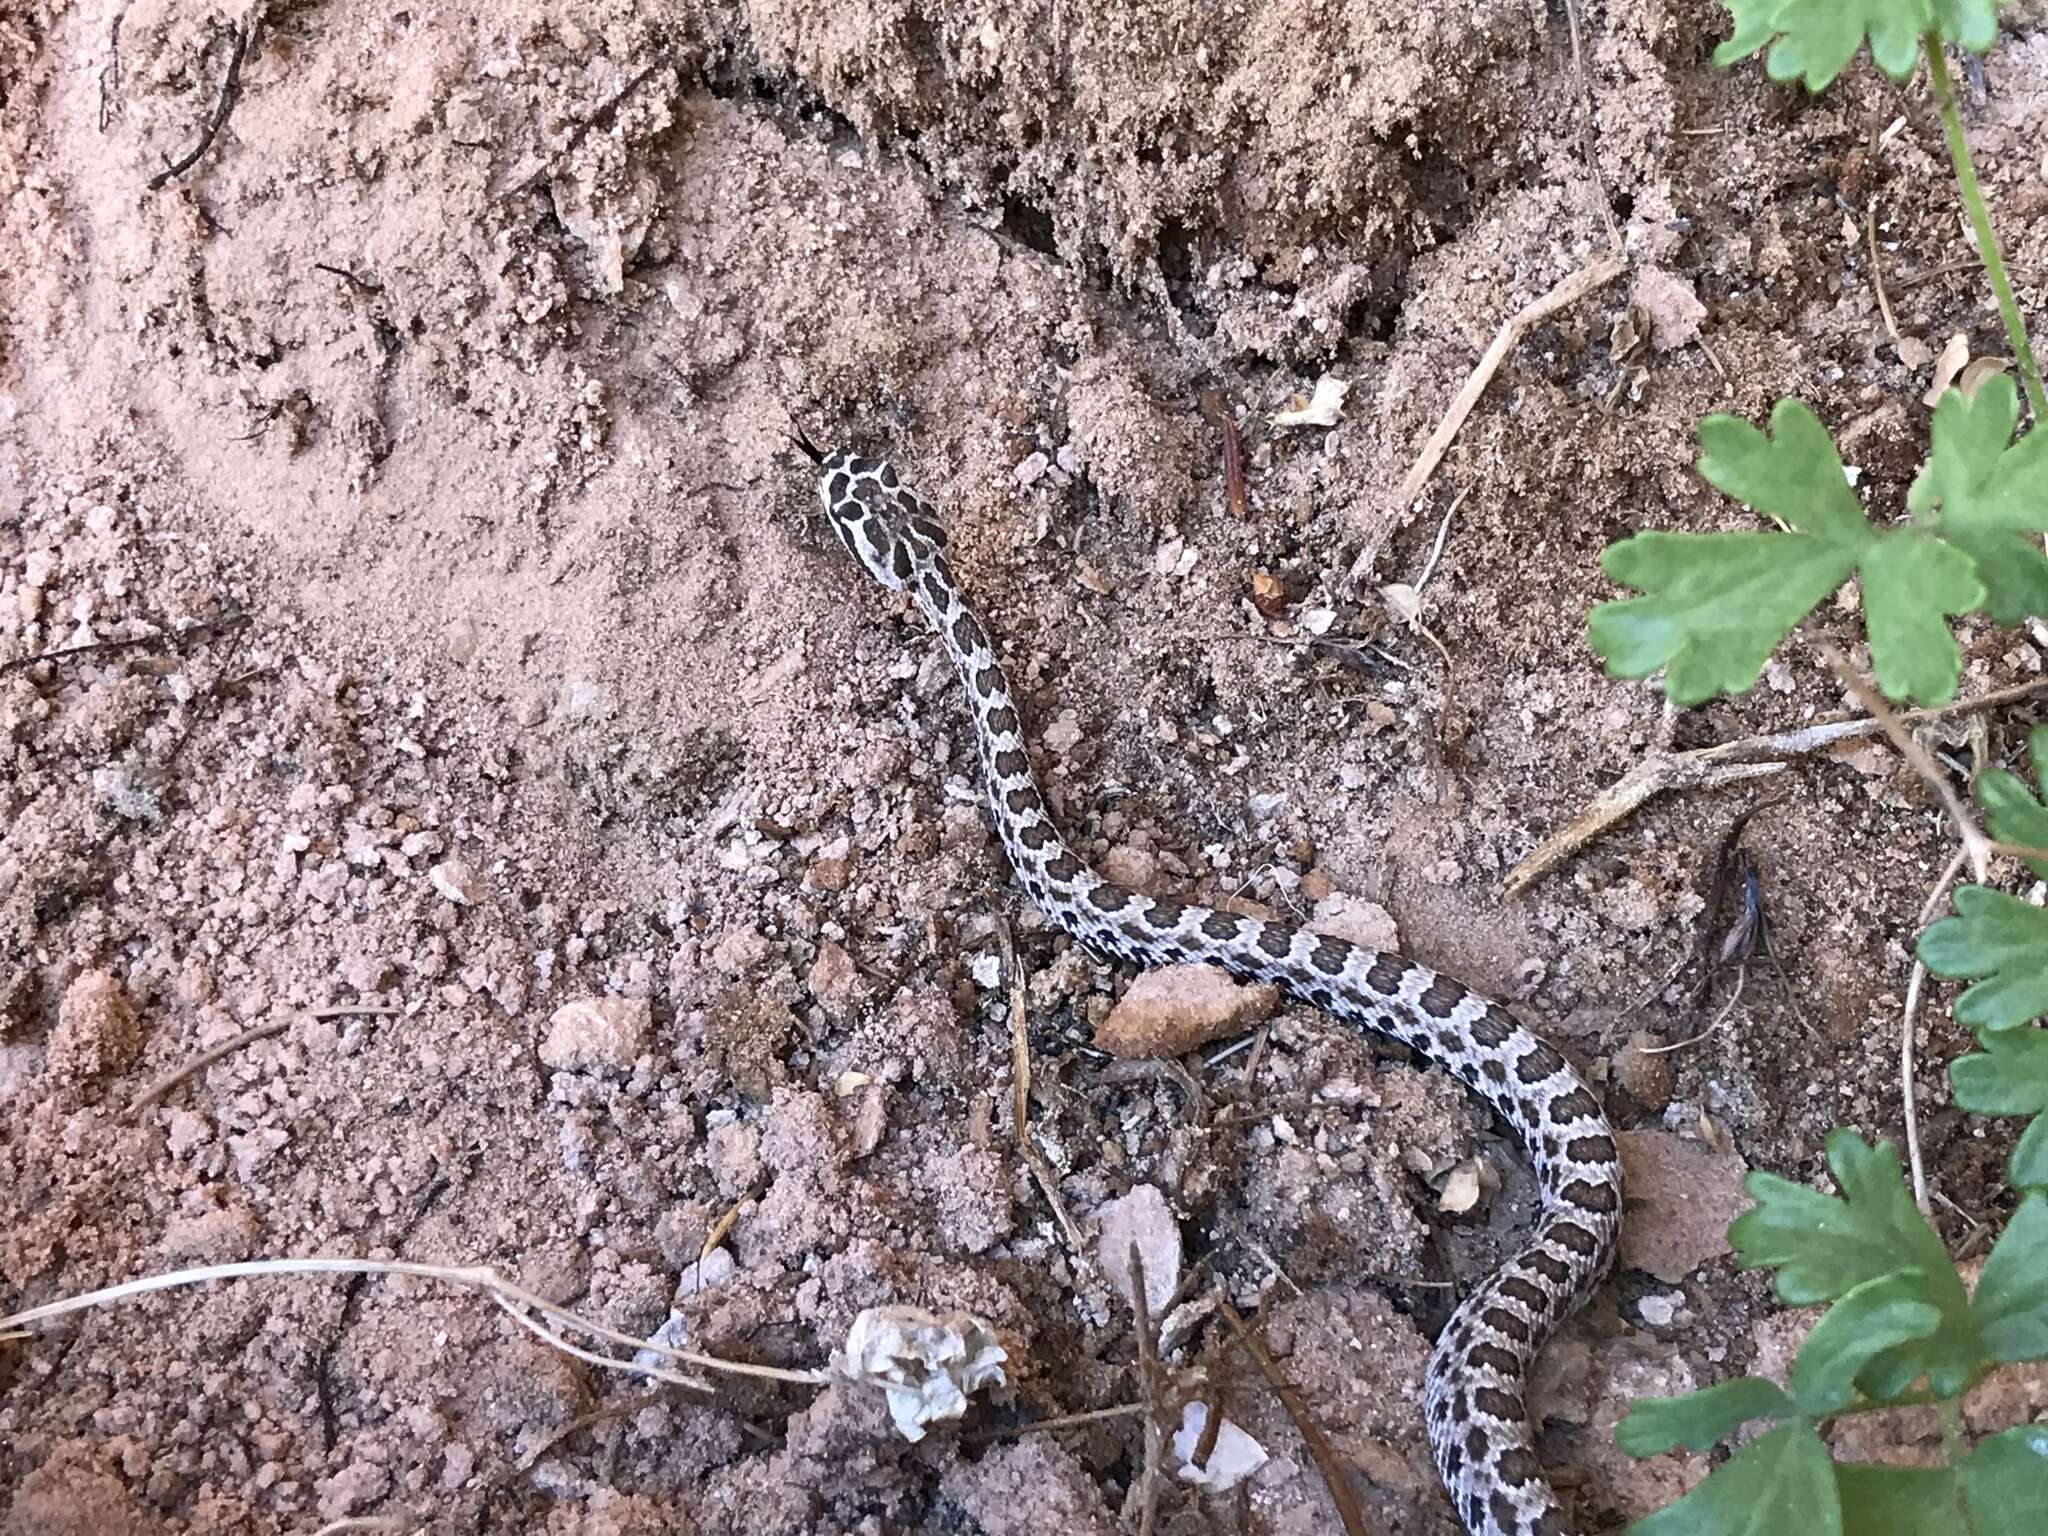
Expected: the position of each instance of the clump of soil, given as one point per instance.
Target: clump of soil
(468, 714)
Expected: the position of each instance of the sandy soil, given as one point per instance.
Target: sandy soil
(448, 396)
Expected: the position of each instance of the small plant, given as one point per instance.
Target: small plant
(2000, 943)
(1902, 1327)
(1900, 1316)
(1717, 604)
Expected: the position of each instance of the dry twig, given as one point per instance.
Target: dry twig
(518, 1303)
(1909, 1100)
(1565, 294)
(601, 118)
(1149, 1377)
(1587, 146)
(233, 1043)
(1020, 1098)
(1974, 841)
(230, 91)
(1318, 1443)
(1704, 767)
(1217, 409)
(1884, 303)
(156, 641)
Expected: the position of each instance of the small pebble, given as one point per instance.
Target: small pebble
(1181, 1008)
(598, 1033)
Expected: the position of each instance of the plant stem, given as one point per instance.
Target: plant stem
(1952, 1453)
(1952, 1431)
(1980, 225)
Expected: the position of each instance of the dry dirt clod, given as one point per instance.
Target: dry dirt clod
(97, 1031)
(598, 1034)
(1681, 1196)
(1143, 1218)
(1182, 1008)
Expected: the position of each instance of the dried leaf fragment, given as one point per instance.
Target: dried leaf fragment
(1322, 409)
(927, 1364)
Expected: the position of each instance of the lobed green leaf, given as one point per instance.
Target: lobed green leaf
(1715, 605)
(1999, 1489)
(1877, 1316)
(2012, 1291)
(2000, 939)
(1897, 1501)
(1814, 40)
(2010, 1077)
(1824, 1247)
(1781, 1481)
(1698, 1420)
(2005, 1482)
(1718, 605)
(1990, 493)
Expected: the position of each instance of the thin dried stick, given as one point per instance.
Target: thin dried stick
(1705, 767)
(1064, 1421)
(1566, 293)
(477, 1278)
(230, 92)
(1908, 1096)
(577, 1425)
(1974, 842)
(716, 1235)
(201, 1062)
(1571, 17)
(1741, 978)
(601, 118)
(1020, 1099)
(1312, 1435)
(1884, 304)
(132, 643)
(234, 1043)
(1148, 1373)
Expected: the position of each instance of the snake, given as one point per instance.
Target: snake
(1475, 1383)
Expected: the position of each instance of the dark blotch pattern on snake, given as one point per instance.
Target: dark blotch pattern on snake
(1476, 1384)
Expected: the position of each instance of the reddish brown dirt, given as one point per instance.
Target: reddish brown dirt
(450, 390)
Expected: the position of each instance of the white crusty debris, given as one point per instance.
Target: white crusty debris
(1323, 409)
(927, 1364)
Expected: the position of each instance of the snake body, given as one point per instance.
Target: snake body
(1478, 1372)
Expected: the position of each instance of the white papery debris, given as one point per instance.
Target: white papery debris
(927, 1364)
(1323, 408)
(1236, 1455)
(1141, 1219)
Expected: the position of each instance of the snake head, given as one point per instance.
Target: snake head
(878, 518)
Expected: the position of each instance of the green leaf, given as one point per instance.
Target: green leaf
(1698, 1420)
(2001, 939)
(2005, 1482)
(1990, 493)
(1716, 604)
(1999, 1489)
(1910, 584)
(2029, 1166)
(1794, 474)
(1897, 1501)
(1782, 1481)
(1813, 40)
(2012, 812)
(2010, 1077)
(1825, 1247)
(1876, 1316)
(2012, 1292)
